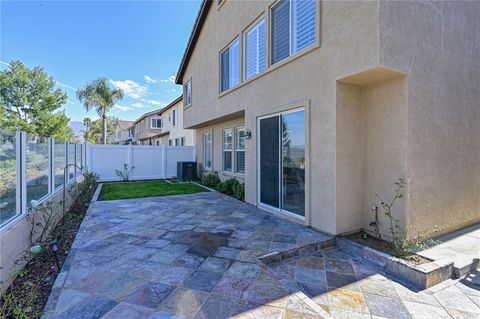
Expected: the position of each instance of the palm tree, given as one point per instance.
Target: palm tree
(100, 95)
(88, 124)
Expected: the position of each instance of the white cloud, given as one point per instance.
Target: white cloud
(138, 105)
(130, 88)
(122, 107)
(149, 79)
(171, 79)
(66, 86)
(4, 63)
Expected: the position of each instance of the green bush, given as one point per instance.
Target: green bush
(210, 179)
(227, 187)
(239, 191)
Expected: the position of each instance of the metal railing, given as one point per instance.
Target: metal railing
(32, 169)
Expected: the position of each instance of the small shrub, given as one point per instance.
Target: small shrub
(239, 191)
(210, 179)
(227, 187)
(125, 173)
(403, 244)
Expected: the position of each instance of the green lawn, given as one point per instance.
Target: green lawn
(128, 190)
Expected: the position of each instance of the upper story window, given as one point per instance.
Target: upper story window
(230, 66)
(293, 27)
(156, 123)
(255, 49)
(187, 93)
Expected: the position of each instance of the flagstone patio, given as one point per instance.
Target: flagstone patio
(195, 256)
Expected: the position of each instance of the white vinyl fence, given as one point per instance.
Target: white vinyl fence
(149, 162)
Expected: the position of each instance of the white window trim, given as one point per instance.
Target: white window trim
(244, 55)
(237, 150)
(185, 104)
(211, 151)
(240, 64)
(230, 150)
(156, 119)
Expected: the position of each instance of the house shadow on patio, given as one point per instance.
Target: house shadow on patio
(195, 256)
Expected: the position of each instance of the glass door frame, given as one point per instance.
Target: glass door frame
(280, 177)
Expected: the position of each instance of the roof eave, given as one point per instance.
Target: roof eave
(197, 27)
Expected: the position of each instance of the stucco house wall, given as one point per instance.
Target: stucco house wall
(437, 44)
(365, 105)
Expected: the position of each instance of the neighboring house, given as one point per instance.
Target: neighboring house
(121, 134)
(173, 133)
(331, 102)
(145, 128)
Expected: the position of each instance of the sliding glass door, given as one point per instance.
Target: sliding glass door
(282, 161)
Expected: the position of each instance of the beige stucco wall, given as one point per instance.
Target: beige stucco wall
(15, 240)
(407, 71)
(217, 141)
(348, 43)
(437, 43)
(176, 131)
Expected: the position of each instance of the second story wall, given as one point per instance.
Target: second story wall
(346, 43)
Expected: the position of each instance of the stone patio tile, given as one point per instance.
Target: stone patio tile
(232, 286)
(150, 295)
(468, 288)
(165, 257)
(89, 307)
(243, 270)
(219, 307)
(458, 314)
(164, 315)
(285, 238)
(347, 314)
(339, 266)
(226, 252)
(202, 280)
(295, 304)
(337, 280)
(386, 307)
(378, 286)
(120, 286)
(420, 297)
(91, 282)
(310, 276)
(188, 261)
(454, 299)
(265, 293)
(347, 299)
(311, 262)
(157, 243)
(313, 290)
(214, 264)
(184, 302)
(128, 311)
(336, 253)
(68, 298)
(173, 275)
(177, 247)
(253, 311)
(420, 311)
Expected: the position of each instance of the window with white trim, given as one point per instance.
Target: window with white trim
(293, 27)
(227, 150)
(230, 66)
(255, 49)
(156, 123)
(207, 150)
(240, 150)
(182, 141)
(187, 93)
(174, 117)
(170, 142)
(177, 141)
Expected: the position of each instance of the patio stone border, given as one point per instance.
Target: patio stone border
(276, 256)
(49, 309)
(422, 276)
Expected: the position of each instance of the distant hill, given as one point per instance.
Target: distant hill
(77, 127)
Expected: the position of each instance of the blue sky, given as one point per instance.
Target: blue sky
(137, 45)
